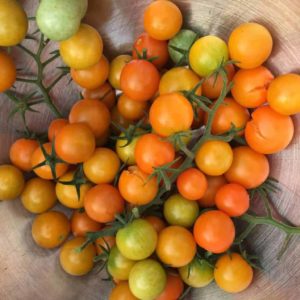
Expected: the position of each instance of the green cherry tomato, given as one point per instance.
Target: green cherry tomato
(125, 151)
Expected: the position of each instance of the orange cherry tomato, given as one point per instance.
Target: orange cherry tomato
(20, 153)
(192, 184)
(106, 242)
(251, 86)
(269, 132)
(249, 168)
(55, 127)
(122, 292)
(8, 71)
(156, 222)
(214, 231)
(173, 289)
(118, 119)
(162, 20)
(116, 68)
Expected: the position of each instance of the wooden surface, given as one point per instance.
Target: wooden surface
(27, 272)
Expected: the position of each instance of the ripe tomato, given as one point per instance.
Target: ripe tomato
(38, 195)
(173, 290)
(249, 168)
(151, 152)
(157, 223)
(269, 132)
(102, 166)
(213, 184)
(131, 109)
(81, 223)
(50, 229)
(207, 54)
(82, 50)
(126, 152)
(171, 113)
(139, 80)
(74, 262)
(103, 202)
(11, 182)
(119, 266)
(155, 49)
(93, 113)
(176, 246)
(214, 157)
(169, 82)
(75, 143)
(20, 153)
(251, 86)
(116, 68)
(214, 231)
(8, 71)
(118, 119)
(122, 292)
(250, 44)
(137, 240)
(192, 184)
(92, 77)
(136, 187)
(233, 199)
(55, 127)
(105, 93)
(232, 273)
(106, 242)
(45, 171)
(180, 211)
(212, 86)
(229, 113)
(147, 279)
(162, 20)
(197, 274)
(283, 94)
(14, 29)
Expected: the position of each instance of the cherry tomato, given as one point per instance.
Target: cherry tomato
(154, 49)
(75, 143)
(8, 71)
(151, 152)
(157, 223)
(45, 171)
(232, 273)
(81, 223)
(20, 153)
(197, 274)
(139, 80)
(116, 68)
(106, 242)
(119, 120)
(92, 77)
(147, 279)
(180, 211)
(82, 50)
(171, 113)
(126, 151)
(250, 44)
(207, 54)
(249, 168)
(214, 157)
(214, 231)
(122, 292)
(269, 132)
(192, 184)
(173, 290)
(50, 229)
(38, 195)
(119, 266)
(74, 262)
(103, 202)
(251, 86)
(55, 127)
(136, 187)
(93, 113)
(283, 94)
(176, 246)
(102, 166)
(11, 182)
(162, 20)
(137, 240)
(212, 86)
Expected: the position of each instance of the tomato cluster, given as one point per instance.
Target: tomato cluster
(113, 160)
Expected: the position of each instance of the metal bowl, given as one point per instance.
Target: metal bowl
(28, 272)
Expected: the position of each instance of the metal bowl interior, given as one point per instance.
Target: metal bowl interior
(28, 272)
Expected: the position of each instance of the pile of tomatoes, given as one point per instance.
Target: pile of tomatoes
(111, 159)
